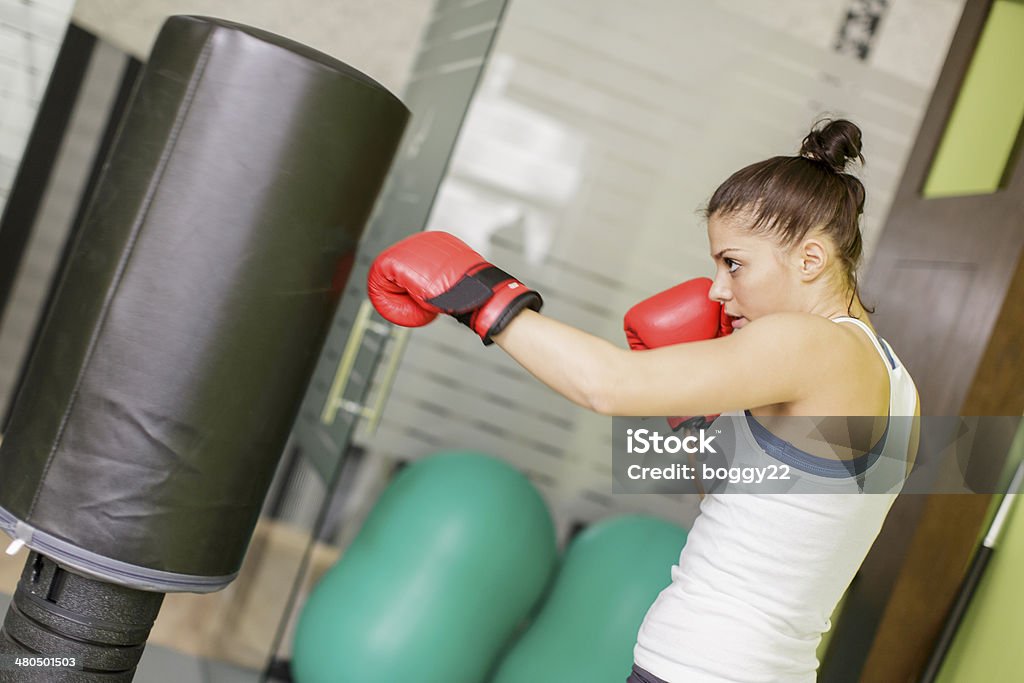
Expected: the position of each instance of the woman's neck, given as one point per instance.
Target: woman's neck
(841, 305)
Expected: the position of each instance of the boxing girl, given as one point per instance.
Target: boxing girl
(780, 332)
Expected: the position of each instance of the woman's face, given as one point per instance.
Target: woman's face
(753, 275)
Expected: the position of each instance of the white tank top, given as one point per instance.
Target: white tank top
(761, 573)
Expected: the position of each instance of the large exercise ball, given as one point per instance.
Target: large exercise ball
(611, 574)
(451, 560)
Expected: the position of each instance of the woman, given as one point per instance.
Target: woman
(761, 573)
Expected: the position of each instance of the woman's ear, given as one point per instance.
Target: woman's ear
(812, 258)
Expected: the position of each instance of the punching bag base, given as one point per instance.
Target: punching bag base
(61, 615)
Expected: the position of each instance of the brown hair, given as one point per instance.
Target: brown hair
(790, 196)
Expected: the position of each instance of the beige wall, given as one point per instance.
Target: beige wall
(378, 37)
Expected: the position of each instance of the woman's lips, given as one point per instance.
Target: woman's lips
(737, 323)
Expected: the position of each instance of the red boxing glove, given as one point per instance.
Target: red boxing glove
(434, 272)
(680, 314)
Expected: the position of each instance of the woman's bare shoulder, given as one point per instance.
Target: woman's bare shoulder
(795, 328)
(847, 374)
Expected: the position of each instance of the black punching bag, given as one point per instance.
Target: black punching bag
(184, 330)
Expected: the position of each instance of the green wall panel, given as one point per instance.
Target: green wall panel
(986, 119)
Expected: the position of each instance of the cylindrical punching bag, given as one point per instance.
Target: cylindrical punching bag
(193, 306)
(451, 560)
(610, 575)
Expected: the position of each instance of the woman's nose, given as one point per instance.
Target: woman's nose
(719, 291)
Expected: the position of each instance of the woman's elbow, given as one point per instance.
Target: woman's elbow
(597, 380)
(601, 403)
(602, 394)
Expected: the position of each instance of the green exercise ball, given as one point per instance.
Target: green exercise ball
(452, 558)
(611, 574)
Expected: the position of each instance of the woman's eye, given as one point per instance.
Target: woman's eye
(731, 264)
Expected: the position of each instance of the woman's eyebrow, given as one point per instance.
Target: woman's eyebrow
(719, 254)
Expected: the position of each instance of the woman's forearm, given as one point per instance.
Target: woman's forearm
(574, 363)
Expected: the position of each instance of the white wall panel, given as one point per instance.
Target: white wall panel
(30, 36)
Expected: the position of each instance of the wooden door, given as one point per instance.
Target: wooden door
(948, 284)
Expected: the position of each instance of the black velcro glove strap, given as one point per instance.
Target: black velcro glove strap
(474, 290)
(471, 292)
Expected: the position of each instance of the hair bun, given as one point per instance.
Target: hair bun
(836, 143)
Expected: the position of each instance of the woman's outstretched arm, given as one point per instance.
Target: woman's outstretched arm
(773, 360)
